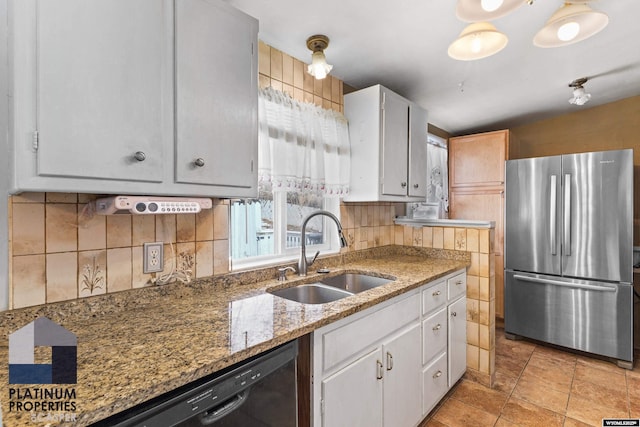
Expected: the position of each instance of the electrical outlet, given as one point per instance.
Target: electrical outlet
(153, 257)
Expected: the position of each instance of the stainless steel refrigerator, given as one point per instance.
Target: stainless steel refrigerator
(569, 251)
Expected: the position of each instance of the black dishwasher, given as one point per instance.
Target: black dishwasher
(258, 392)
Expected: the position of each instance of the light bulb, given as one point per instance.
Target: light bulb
(491, 5)
(476, 43)
(568, 31)
(319, 67)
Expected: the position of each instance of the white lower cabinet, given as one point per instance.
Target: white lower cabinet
(389, 365)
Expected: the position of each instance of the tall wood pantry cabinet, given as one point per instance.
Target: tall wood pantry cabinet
(476, 177)
(151, 96)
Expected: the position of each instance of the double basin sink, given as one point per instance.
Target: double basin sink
(331, 288)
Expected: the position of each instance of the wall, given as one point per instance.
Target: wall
(481, 323)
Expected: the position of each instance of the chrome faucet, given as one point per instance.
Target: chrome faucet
(303, 263)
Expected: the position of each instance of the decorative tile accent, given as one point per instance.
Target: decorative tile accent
(92, 277)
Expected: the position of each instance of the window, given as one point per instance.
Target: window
(303, 166)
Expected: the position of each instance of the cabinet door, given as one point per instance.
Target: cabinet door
(395, 144)
(417, 151)
(353, 395)
(457, 351)
(103, 87)
(478, 159)
(216, 94)
(402, 379)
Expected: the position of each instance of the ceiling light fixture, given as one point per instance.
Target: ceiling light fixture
(318, 67)
(570, 24)
(476, 41)
(485, 10)
(580, 97)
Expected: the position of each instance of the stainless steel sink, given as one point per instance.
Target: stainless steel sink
(312, 293)
(355, 283)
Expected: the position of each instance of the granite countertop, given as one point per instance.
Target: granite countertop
(135, 345)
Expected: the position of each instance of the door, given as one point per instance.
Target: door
(417, 151)
(104, 88)
(353, 395)
(216, 94)
(532, 217)
(586, 315)
(402, 380)
(395, 144)
(457, 351)
(597, 222)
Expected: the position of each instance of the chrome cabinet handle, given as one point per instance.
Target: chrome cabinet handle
(199, 162)
(379, 369)
(454, 314)
(415, 185)
(436, 293)
(389, 361)
(140, 156)
(459, 282)
(437, 327)
(403, 184)
(437, 375)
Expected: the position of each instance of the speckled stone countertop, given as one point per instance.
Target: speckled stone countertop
(138, 344)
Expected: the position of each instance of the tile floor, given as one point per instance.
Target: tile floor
(541, 386)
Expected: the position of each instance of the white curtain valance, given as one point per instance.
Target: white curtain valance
(302, 147)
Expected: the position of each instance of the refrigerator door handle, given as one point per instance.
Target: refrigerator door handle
(552, 215)
(601, 288)
(566, 249)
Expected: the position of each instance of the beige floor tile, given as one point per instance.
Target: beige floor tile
(503, 422)
(523, 413)
(551, 361)
(634, 407)
(455, 413)
(504, 383)
(633, 385)
(509, 366)
(556, 378)
(602, 377)
(570, 422)
(432, 423)
(616, 399)
(599, 364)
(537, 392)
(555, 353)
(480, 397)
(590, 411)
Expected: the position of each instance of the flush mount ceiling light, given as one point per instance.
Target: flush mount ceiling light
(478, 40)
(486, 10)
(318, 67)
(580, 97)
(571, 23)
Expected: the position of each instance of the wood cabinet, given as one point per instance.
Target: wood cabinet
(378, 367)
(388, 146)
(476, 192)
(114, 98)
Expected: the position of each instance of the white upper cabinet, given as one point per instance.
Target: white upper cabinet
(215, 82)
(114, 96)
(388, 146)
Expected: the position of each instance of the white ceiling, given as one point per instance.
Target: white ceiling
(402, 45)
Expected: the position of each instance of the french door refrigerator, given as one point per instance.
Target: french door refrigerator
(569, 251)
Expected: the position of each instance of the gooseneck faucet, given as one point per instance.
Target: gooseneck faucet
(303, 263)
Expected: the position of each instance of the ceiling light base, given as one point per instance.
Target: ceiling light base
(317, 43)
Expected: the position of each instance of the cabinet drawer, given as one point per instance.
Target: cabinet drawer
(434, 335)
(434, 297)
(347, 341)
(457, 285)
(434, 383)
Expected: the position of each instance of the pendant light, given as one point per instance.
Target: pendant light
(476, 41)
(570, 24)
(318, 67)
(580, 96)
(485, 10)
